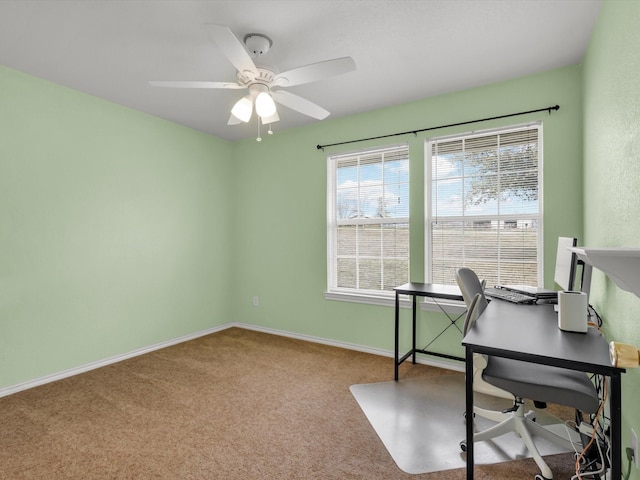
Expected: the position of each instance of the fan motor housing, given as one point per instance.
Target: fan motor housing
(265, 77)
(257, 43)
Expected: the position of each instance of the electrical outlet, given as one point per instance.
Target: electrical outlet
(256, 301)
(634, 447)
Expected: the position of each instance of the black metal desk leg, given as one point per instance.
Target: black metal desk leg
(396, 347)
(469, 409)
(616, 426)
(413, 345)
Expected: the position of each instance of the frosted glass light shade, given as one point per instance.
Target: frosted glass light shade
(242, 109)
(265, 106)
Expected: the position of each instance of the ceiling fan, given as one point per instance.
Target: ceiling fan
(264, 84)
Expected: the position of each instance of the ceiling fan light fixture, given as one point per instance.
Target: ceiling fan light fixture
(260, 80)
(265, 106)
(243, 109)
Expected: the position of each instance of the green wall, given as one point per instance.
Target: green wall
(280, 186)
(612, 174)
(114, 231)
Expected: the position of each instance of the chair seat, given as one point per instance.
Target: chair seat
(543, 383)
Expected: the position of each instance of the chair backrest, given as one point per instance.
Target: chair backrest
(469, 284)
(478, 304)
(473, 293)
(471, 316)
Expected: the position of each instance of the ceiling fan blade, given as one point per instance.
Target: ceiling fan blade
(188, 84)
(314, 72)
(233, 49)
(299, 104)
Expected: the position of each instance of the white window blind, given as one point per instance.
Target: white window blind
(484, 206)
(368, 221)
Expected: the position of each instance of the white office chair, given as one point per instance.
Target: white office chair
(472, 293)
(543, 383)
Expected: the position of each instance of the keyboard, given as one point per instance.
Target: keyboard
(508, 295)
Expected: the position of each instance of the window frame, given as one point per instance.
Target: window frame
(368, 296)
(428, 195)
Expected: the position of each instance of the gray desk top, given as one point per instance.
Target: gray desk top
(434, 290)
(531, 333)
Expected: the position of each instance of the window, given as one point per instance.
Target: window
(483, 206)
(368, 221)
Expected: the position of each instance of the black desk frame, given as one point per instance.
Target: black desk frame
(530, 333)
(431, 290)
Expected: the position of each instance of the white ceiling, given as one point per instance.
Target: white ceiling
(404, 50)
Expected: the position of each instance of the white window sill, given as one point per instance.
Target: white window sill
(425, 304)
(388, 300)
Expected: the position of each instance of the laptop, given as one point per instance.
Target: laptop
(538, 293)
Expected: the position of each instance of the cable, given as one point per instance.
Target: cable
(592, 312)
(579, 473)
(630, 459)
(594, 434)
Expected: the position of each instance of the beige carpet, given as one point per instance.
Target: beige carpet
(233, 405)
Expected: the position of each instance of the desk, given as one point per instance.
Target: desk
(431, 290)
(530, 333)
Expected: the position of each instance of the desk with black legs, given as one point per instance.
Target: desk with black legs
(434, 291)
(530, 333)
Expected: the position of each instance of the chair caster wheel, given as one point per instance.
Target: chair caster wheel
(540, 477)
(463, 445)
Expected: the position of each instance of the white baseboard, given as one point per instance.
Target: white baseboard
(442, 363)
(107, 361)
(422, 359)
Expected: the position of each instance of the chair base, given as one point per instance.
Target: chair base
(525, 427)
(499, 416)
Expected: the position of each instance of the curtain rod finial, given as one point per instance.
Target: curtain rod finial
(319, 147)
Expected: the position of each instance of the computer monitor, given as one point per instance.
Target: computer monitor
(566, 263)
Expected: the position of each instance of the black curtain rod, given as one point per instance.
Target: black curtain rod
(555, 107)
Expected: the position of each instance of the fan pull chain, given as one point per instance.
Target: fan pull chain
(259, 139)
